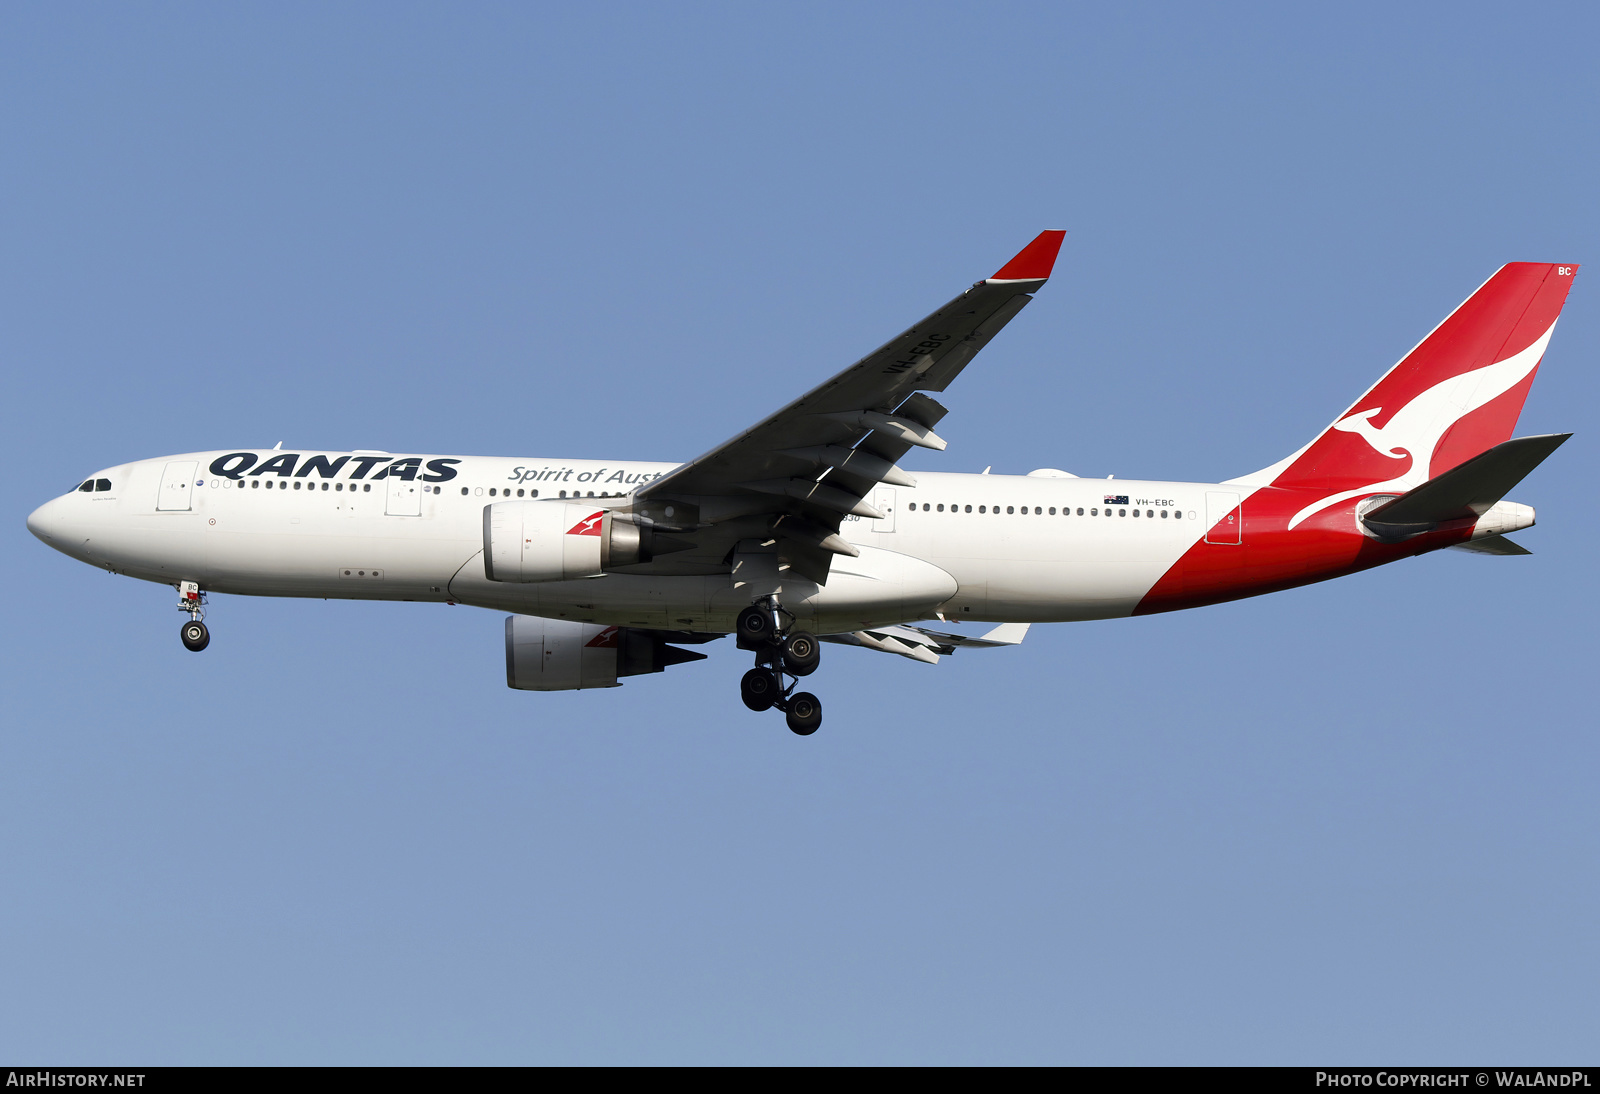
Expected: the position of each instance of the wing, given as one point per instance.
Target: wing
(791, 478)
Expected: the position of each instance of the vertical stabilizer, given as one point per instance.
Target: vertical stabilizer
(1458, 393)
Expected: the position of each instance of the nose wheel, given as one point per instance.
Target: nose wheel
(780, 652)
(193, 602)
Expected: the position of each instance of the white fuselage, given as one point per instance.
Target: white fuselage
(981, 547)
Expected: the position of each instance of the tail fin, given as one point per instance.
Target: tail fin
(1456, 395)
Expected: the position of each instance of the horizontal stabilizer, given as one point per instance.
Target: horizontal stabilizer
(1006, 634)
(1492, 545)
(922, 644)
(1466, 491)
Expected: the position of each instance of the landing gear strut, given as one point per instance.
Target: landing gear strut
(193, 601)
(765, 628)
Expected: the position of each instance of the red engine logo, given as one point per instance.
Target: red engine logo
(588, 526)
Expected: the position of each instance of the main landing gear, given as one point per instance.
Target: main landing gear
(779, 651)
(193, 601)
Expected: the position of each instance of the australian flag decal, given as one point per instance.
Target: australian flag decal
(1116, 499)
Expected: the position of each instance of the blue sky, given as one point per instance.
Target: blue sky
(1353, 823)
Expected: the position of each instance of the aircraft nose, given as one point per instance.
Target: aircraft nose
(45, 522)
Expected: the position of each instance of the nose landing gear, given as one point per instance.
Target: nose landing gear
(192, 600)
(779, 651)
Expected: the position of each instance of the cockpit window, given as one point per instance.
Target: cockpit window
(102, 484)
(87, 486)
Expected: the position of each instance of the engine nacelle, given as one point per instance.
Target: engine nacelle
(556, 541)
(561, 655)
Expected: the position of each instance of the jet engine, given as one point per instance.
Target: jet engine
(561, 655)
(557, 541)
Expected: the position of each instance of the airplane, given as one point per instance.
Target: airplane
(803, 529)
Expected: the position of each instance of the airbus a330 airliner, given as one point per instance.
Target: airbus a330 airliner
(803, 528)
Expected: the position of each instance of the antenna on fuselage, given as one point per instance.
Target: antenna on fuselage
(277, 446)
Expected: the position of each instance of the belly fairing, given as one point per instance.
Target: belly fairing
(876, 589)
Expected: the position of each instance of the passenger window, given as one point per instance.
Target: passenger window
(1136, 512)
(1080, 510)
(1039, 512)
(491, 491)
(1010, 509)
(297, 484)
(563, 493)
(255, 483)
(1122, 512)
(982, 509)
(1148, 513)
(366, 488)
(463, 491)
(1163, 514)
(941, 507)
(969, 508)
(519, 491)
(1094, 512)
(531, 493)
(926, 507)
(324, 486)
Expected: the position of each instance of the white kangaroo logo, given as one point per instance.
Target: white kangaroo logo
(1415, 429)
(1361, 423)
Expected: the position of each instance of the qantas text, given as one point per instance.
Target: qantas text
(237, 465)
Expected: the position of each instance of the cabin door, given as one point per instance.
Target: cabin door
(1223, 519)
(883, 501)
(405, 499)
(177, 481)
